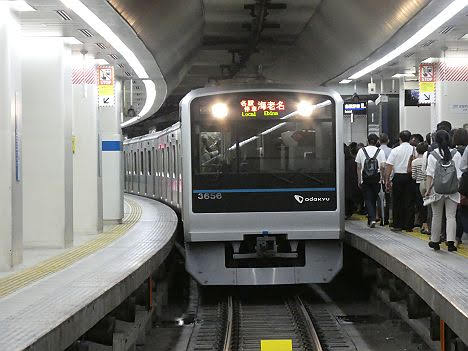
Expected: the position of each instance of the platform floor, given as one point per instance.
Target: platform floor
(439, 278)
(52, 303)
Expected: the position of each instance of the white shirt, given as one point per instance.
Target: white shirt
(399, 158)
(431, 166)
(371, 150)
(386, 150)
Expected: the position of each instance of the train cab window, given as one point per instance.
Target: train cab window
(149, 163)
(263, 143)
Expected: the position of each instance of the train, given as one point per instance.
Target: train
(257, 175)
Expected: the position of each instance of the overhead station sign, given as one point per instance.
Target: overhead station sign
(106, 92)
(426, 83)
(355, 108)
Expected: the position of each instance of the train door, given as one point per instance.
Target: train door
(153, 156)
(179, 171)
(158, 170)
(141, 176)
(135, 169)
(174, 174)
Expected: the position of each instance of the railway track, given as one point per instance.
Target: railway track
(235, 324)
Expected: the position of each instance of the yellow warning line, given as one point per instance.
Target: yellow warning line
(55, 264)
(462, 250)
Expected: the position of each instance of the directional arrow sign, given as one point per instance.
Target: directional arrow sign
(106, 101)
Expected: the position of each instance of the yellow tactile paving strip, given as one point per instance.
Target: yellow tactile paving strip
(52, 265)
(462, 249)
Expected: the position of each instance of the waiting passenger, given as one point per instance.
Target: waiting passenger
(370, 167)
(402, 185)
(384, 145)
(460, 141)
(351, 184)
(443, 189)
(418, 172)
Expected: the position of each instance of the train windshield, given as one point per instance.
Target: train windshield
(252, 142)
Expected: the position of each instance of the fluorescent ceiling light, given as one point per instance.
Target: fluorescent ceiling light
(446, 14)
(99, 26)
(465, 37)
(345, 81)
(18, 5)
(403, 75)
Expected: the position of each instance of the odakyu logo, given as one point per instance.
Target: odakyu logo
(302, 199)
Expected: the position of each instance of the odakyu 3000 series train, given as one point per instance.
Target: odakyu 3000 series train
(257, 174)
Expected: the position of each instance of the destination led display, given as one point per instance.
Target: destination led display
(250, 107)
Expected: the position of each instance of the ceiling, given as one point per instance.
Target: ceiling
(201, 42)
(312, 41)
(52, 19)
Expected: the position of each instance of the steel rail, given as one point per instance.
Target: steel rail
(229, 324)
(309, 324)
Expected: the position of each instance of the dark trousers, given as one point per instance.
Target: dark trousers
(371, 195)
(421, 211)
(462, 221)
(403, 201)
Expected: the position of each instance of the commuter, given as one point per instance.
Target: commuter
(384, 145)
(444, 125)
(460, 141)
(418, 172)
(386, 149)
(353, 148)
(360, 146)
(416, 139)
(402, 185)
(370, 168)
(352, 192)
(443, 189)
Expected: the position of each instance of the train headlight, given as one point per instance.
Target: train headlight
(305, 108)
(219, 110)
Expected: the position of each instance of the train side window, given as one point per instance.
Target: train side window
(149, 163)
(174, 161)
(141, 162)
(154, 160)
(163, 168)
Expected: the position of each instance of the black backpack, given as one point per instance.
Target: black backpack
(371, 171)
(463, 184)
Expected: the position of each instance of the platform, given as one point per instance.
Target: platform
(50, 305)
(439, 278)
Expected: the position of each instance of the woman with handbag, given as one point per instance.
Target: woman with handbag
(443, 172)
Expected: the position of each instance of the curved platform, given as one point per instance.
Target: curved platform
(439, 278)
(52, 304)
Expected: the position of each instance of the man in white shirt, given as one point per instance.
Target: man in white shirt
(402, 185)
(384, 145)
(370, 168)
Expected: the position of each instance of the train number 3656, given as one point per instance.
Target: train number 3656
(210, 196)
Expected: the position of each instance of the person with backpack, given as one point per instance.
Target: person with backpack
(443, 174)
(460, 142)
(370, 165)
(402, 185)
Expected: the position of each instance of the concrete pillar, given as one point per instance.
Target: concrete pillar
(47, 143)
(451, 91)
(87, 181)
(112, 159)
(11, 232)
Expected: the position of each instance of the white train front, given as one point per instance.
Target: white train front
(262, 168)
